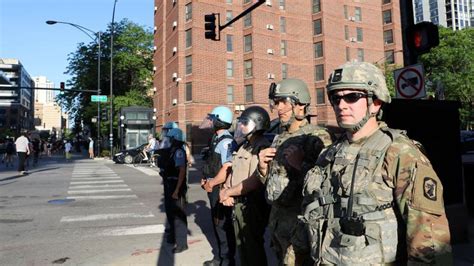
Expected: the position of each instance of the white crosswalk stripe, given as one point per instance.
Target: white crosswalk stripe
(98, 186)
(97, 182)
(95, 217)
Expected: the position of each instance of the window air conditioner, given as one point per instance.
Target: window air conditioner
(269, 51)
(175, 75)
(268, 2)
(352, 39)
(175, 49)
(269, 27)
(271, 76)
(174, 102)
(352, 18)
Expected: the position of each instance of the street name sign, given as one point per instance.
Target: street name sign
(99, 98)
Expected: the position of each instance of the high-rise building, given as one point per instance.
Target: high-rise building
(453, 14)
(430, 10)
(459, 14)
(44, 96)
(16, 98)
(280, 39)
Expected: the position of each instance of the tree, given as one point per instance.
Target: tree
(450, 67)
(133, 70)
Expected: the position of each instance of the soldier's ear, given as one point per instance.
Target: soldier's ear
(374, 108)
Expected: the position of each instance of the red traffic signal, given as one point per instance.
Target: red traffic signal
(422, 37)
(210, 27)
(61, 86)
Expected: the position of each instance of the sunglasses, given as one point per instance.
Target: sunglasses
(352, 97)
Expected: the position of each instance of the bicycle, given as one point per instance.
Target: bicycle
(140, 159)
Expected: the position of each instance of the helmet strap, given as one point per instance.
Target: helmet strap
(354, 128)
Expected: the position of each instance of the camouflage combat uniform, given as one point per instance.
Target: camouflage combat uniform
(284, 184)
(396, 192)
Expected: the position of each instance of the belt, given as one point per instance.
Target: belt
(172, 178)
(241, 199)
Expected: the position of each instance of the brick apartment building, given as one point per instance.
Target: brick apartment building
(280, 39)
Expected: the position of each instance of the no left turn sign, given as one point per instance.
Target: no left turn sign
(409, 82)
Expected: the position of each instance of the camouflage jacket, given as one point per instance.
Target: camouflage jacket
(397, 193)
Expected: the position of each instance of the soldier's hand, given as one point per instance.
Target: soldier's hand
(294, 156)
(229, 202)
(223, 195)
(265, 156)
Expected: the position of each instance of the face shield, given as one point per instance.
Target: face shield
(208, 122)
(245, 126)
(165, 143)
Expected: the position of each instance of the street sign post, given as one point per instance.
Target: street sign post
(99, 98)
(410, 82)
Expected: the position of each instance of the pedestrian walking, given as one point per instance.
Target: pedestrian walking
(68, 149)
(373, 197)
(250, 207)
(9, 152)
(173, 172)
(91, 148)
(23, 149)
(216, 169)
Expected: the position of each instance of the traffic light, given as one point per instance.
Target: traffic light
(104, 114)
(210, 27)
(61, 86)
(422, 37)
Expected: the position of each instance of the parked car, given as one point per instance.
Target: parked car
(126, 156)
(467, 141)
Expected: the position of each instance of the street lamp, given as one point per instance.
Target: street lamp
(97, 41)
(111, 133)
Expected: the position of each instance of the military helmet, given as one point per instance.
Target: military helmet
(359, 76)
(176, 134)
(295, 89)
(258, 115)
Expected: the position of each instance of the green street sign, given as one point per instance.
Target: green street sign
(99, 98)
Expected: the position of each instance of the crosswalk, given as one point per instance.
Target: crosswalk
(105, 192)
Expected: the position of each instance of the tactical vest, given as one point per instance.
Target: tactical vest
(169, 168)
(372, 204)
(282, 188)
(213, 162)
(245, 160)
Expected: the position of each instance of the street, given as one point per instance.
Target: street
(93, 212)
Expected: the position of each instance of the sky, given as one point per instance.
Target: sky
(43, 49)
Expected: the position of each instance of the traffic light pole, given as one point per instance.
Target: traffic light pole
(245, 12)
(406, 17)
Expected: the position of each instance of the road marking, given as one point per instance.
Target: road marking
(92, 191)
(102, 197)
(146, 170)
(110, 216)
(92, 178)
(141, 230)
(96, 182)
(97, 186)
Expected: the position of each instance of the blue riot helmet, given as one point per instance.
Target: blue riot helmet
(176, 134)
(219, 118)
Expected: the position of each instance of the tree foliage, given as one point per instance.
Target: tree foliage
(132, 71)
(450, 67)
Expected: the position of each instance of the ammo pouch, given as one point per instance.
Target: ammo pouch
(353, 226)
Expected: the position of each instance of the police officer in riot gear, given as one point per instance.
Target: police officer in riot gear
(250, 208)
(283, 166)
(373, 197)
(175, 188)
(216, 169)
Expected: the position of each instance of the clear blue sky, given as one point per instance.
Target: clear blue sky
(43, 49)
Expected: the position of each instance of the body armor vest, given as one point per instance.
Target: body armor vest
(169, 167)
(372, 204)
(213, 162)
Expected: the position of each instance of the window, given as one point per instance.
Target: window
(360, 54)
(386, 2)
(228, 16)
(282, 24)
(230, 68)
(229, 2)
(360, 34)
(346, 32)
(348, 54)
(248, 43)
(248, 68)
(318, 72)
(189, 38)
(318, 49)
(188, 11)
(248, 93)
(284, 71)
(317, 29)
(389, 57)
(283, 46)
(282, 4)
(230, 93)
(388, 37)
(358, 14)
(189, 64)
(320, 97)
(248, 20)
(189, 91)
(230, 44)
(189, 128)
(346, 14)
(246, 1)
(316, 6)
(387, 16)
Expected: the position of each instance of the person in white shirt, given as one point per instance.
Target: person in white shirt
(151, 147)
(23, 150)
(67, 150)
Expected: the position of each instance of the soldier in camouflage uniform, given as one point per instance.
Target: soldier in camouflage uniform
(373, 197)
(283, 166)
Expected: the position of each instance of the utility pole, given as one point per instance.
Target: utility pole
(406, 18)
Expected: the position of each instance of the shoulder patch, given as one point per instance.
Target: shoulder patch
(427, 191)
(429, 188)
(179, 154)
